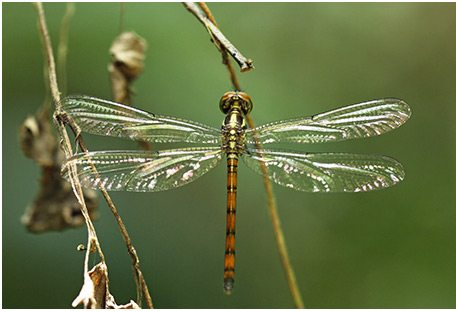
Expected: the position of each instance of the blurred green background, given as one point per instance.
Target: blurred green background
(386, 249)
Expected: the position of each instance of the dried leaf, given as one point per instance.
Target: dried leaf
(128, 52)
(55, 206)
(38, 142)
(131, 305)
(95, 292)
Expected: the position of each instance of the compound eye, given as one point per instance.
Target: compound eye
(225, 103)
(247, 104)
(239, 98)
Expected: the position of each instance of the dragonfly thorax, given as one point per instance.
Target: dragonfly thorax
(233, 133)
(236, 105)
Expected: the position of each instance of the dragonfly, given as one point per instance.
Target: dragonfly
(143, 171)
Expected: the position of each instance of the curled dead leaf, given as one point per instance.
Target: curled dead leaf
(38, 141)
(95, 292)
(55, 206)
(128, 51)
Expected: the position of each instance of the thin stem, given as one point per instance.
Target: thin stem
(226, 61)
(63, 45)
(221, 41)
(92, 236)
(49, 54)
(65, 139)
(279, 236)
(61, 127)
(207, 12)
(217, 36)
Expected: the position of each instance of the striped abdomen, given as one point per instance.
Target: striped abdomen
(229, 259)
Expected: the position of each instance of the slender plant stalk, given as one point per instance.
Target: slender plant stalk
(92, 236)
(62, 48)
(226, 61)
(281, 244)
(221, 42)
(65, 139)
(279, 236)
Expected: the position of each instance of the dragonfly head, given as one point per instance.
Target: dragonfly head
(235, 100)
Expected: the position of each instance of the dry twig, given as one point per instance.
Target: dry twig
(55, 206)
(220, 40)
(62, 48)
(60, 121)
(226, 47)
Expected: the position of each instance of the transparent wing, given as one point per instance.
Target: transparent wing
(143, 171)
(103, 117)
(359, 120)
(327, 172)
